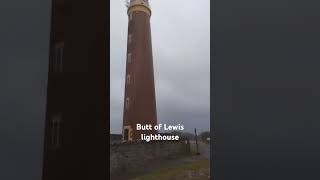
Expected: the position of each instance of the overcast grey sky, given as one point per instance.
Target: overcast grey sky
(181, 54)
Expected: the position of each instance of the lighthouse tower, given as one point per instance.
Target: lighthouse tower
(139, 98)
(76, 108)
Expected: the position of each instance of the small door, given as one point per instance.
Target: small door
(126, 134)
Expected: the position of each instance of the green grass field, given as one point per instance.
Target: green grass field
(193, 170)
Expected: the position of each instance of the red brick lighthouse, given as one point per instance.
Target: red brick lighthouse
(139, 98)
(75, 143)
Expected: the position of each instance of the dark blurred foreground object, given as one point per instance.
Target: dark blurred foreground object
(75, 144)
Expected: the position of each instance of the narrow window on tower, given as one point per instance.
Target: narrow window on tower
(58, 57)
(128, 79)
(129, 38)
(55, 130)
(130, 16)
(127, 103)
(129, 57)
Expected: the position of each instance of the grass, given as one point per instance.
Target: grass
(178, 171)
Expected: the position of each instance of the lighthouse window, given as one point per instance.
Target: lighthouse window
(129, 57)
(129, 38)
(55, 130)
(58, 57)
(128, 79)
(127, 103)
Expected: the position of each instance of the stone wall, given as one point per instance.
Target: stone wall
(132, 156)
